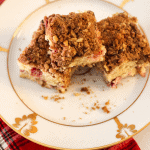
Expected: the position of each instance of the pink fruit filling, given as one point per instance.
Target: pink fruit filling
(115, 82)
(36, 72)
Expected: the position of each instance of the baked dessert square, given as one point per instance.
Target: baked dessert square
(74, 40)
(35, 64)
(128, 51)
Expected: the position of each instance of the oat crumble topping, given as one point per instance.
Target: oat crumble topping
(71, 36)
(123, 41)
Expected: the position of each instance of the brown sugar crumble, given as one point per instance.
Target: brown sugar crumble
(85, 89)
(36, 53)
(123, 41)
(73, 35)
(105, 109)
(56, 97)
(45, 97)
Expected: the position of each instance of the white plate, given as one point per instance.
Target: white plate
(42, 121)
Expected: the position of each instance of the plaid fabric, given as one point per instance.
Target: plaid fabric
(10, 140)
(1, 1)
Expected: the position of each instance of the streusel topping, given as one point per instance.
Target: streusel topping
(72, 35)
(123, 41)
(36, 53)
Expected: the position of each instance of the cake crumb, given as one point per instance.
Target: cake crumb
(105, 109)
(80, 118)
(93, 108)
(85, 112)
(45, 97)
(97, 107)
(76, 94)
(19, 49)
(85, 89)
(108, 102)
(62, 108)
(73, 120)
(64, 118)
(56, 97)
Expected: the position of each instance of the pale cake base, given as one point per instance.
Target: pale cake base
(130, 68)
(55, 80)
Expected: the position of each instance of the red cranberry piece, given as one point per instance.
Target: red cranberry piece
(36, 72)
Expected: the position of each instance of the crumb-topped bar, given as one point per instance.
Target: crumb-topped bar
(74, 40)
(35, 63)
(128, 50)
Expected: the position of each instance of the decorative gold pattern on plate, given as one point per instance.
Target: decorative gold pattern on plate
(124, 131)
(26, 124)
(125, 2)
(3, 49)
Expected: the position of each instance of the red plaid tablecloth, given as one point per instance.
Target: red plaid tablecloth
(10, 140)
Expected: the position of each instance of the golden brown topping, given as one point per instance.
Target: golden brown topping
(36, 53)
(72, 35)
(123, 41)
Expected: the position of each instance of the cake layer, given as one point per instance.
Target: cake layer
(130, 68)
(52, 79)
(35, 64)
(73, 38)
